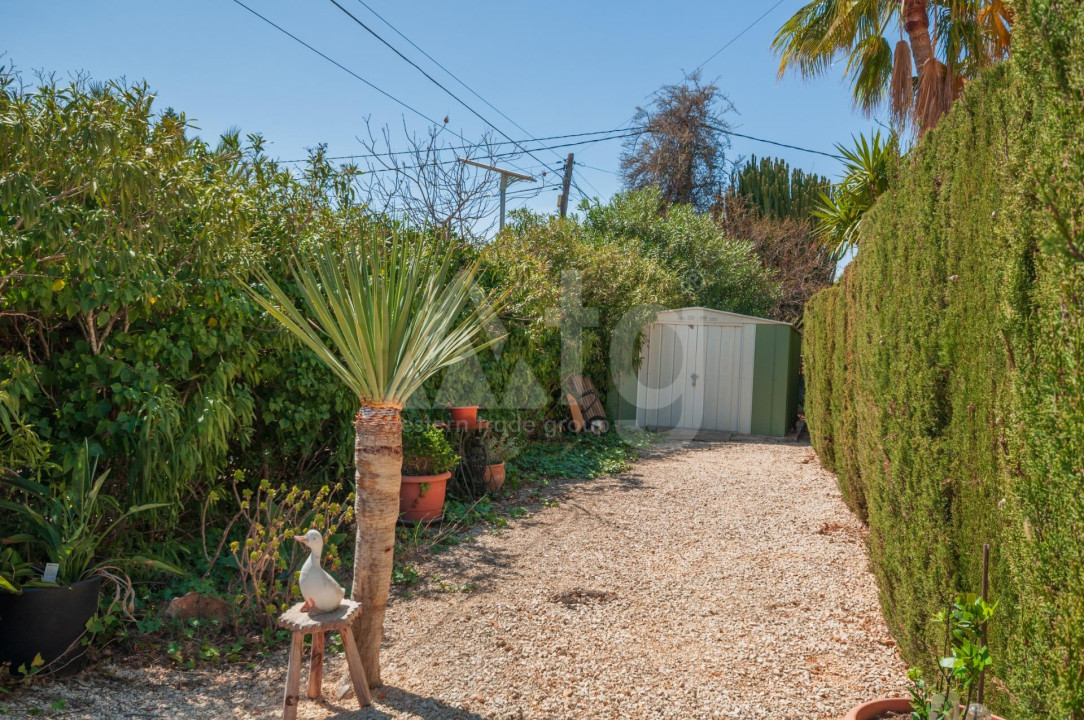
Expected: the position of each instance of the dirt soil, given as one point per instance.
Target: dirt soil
(714, 580)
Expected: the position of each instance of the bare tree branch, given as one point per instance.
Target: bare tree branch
(428, 186)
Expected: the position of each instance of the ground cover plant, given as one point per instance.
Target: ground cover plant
(944, 382)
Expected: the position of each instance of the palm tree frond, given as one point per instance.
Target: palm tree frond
(872, 61)
(901, 88)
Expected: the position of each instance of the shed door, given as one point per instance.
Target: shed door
(690, 377)
(722, 376)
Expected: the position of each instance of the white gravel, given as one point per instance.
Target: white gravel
(722, 580)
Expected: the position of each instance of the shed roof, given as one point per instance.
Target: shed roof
(700, 314)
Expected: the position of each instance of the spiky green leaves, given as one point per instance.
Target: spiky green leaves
(385, 313)
(839, 215)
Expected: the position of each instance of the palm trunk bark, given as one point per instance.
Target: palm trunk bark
(916, 23)
(378, 458)
(933, 99)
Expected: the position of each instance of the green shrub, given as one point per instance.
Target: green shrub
(714, 270)
(426, 451)
(945, 382)
(121, 323)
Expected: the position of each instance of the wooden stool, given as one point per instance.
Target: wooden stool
(301, 623)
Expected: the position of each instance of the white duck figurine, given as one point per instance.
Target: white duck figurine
(321, 591)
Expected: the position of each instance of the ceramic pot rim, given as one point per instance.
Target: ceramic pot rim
(426, 478)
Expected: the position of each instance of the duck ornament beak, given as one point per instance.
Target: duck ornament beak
(301, 539)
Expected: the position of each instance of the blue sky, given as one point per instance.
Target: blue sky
(555, 68)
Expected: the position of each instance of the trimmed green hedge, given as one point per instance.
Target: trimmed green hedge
(946, 371)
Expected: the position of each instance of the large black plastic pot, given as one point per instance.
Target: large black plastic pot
(47, 621)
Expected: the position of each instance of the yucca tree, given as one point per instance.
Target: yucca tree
(944, 42)
(839, 213)
(384, 315)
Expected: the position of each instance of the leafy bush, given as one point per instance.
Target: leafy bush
(714, 270)
(944, 370)
(426, 451)
(121, 324)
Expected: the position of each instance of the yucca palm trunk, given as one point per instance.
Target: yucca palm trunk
(378, 458)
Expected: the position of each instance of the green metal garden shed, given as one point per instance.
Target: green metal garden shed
(704, 369)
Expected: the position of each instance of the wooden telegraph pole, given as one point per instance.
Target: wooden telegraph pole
(566, 185)
(507, 177)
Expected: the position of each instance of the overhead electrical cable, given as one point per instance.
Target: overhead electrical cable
(436, 62)
(339, 65)
(734, 39)
(431, 79)
(497, 142)
(446, 70)
(350, 72)
(774, 142)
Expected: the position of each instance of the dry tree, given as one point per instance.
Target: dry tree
(427, 184)
(681, 144)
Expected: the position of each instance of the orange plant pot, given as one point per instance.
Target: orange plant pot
(421, 497)
(870, 710)
(494, 477)
(465, 414)
(873, 708)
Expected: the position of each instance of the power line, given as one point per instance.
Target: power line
(436, 62)
(431, 79)
(350, 72)
(347, 70)
(469, 147)
(592, 167)
(337, 64)
(774, 142)
(734, 39)
(632, 133)
(449, 72)
(509, 140)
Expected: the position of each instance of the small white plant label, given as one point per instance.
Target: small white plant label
(51, 569)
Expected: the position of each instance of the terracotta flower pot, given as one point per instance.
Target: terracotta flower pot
(870, 710)
(873, 708)
(466, 414)
(421, 497)
(494, 477)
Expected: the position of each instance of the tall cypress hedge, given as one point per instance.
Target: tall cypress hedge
(946, 371)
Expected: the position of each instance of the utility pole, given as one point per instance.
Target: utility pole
(566, 185)
(507, 177)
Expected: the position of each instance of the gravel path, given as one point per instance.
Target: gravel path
(722, 580)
